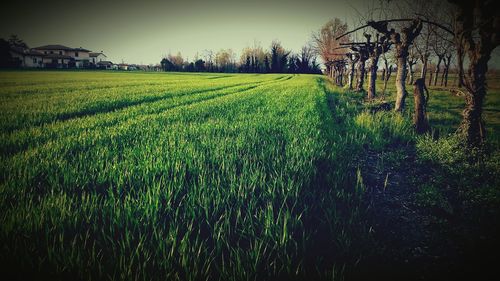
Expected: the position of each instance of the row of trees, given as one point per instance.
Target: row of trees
(424, 33)
(253, 59)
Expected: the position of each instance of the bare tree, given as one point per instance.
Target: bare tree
(363, 57)
(447, 61)
(440, 53)
(225, 60)
(352, 58)
(477, 33)
(253, 59)
(378, 47)
(386, 74)
(402, 41)
(423, 49)
(328, 47)
(209, 57)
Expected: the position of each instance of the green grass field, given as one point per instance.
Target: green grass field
(155, 176)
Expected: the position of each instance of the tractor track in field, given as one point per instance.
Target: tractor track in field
(90, 112)
(23, 93)
(94, 111)
(11, 151)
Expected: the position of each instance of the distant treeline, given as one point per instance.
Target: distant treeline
(252, 60)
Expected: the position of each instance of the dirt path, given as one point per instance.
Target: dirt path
(417, 243)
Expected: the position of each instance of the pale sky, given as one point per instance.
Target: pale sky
(144, 31)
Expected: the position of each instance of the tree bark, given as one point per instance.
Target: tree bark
(373, 78)
(477, 34)
(387, 77)
(425, 61)
(472, 126)
(400, 84)
(351, 74)
(420, 117)
(402, 42)
(361, 74)
(410, 72)
(460, 62)
(438, 68)
(447, 70)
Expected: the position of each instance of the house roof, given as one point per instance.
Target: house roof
(97, 54)
(53, 47)
(105, 62)
(34, 53)
(80, 49)
(23, 51)
(57, 56)
(60, 47)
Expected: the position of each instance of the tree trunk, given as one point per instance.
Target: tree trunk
(446, 71)
(373, 78)
(401, 42)
(387, 77)
(400, 84)
(430, 79)
(472, 126)
(383, 74)
(425, 61)
(351, 75)
(410, 65)
(460, 58)
(438, 68)
(361, 75)
(420, 118)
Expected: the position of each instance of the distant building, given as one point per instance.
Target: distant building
(59, 56)
(95, 58)
(106, 65)
(123, 66)
(27, 58)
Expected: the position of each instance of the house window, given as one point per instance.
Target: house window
(76, 54)
(51, 52)
(60, 52)
(45, 52)
(34, 60)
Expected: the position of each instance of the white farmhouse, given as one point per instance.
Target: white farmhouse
(59, 56)
(95, 58)
(27, 58)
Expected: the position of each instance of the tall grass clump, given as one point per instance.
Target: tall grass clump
(385, 128)
(464, 183)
